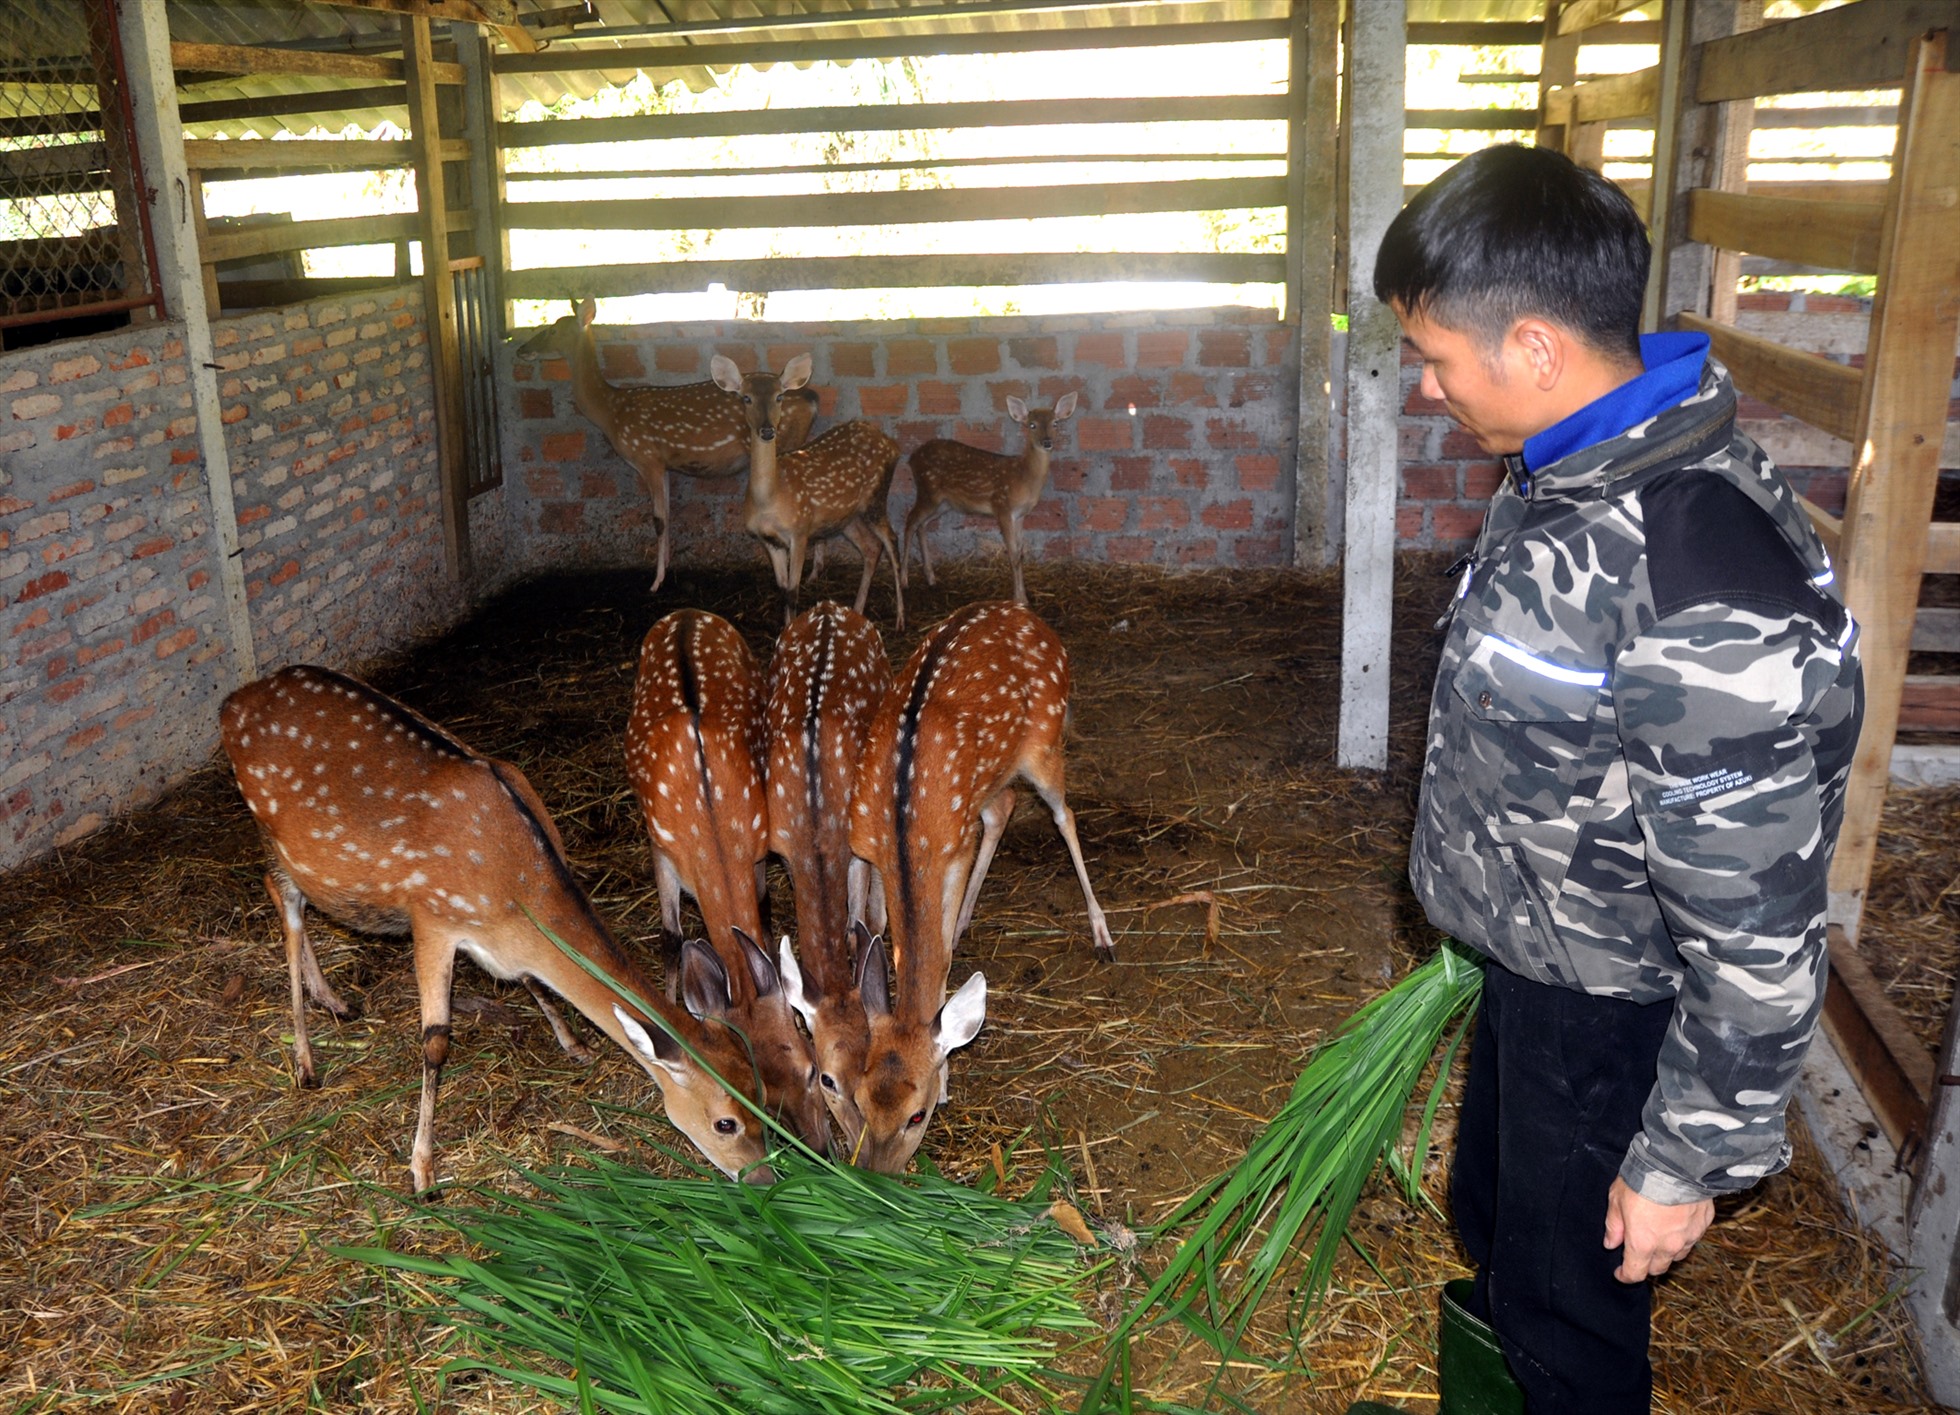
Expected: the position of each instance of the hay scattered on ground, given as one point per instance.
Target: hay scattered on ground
(169, 1197)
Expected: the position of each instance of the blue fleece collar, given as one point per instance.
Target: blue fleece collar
(1673, 363)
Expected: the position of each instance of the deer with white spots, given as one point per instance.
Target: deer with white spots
(981, 483)
(693, 428)
(694, 749)
(380, 819)
(981, 704)
(828, 676)
(838, 485)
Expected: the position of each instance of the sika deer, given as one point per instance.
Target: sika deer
(982, 483)
(694, 751)
(382, 820)
(838, 485)
(827, 678)
(982, 701)
(692, 428)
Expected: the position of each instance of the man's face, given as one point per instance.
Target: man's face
(1489, 391)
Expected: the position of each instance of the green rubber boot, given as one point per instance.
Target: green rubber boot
(1471, 1372)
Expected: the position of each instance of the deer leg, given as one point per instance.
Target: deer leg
(993, 821)
(570, 1044)
(925, 547)
(881, 531)
(1047, 782)
(762, 898)
(1010, 534)
(916, 520)
(866, 546)
(667, 885)
(659, 488)
(798, 546)
(435, 968)
(303, 972)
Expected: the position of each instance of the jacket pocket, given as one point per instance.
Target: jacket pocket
(1528, 719)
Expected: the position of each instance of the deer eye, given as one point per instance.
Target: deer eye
(747, 399)
(727, 1125)
(918, 1119)
(829, 1082)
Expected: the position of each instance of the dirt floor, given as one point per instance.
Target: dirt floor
(170, 1198)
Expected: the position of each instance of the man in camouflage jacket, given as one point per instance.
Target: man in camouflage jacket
(1643, 720)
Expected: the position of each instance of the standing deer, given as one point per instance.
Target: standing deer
(694, 749)
(981, 483)
(827, 678)
(838, 485)
(982, 702)
(692, 428)
(379, 818)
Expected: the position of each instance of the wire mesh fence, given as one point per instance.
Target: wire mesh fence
(73, 233)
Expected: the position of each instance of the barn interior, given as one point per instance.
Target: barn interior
(242, 439)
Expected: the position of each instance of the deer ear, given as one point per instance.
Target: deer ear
(861, 942)
(655, 1045)
(805, 1003)
(727, 377)
(704, 983)
(585, 310)
(760, 968)
(1017, 408)
(959, 1020)
(1065, 407)
(872, 986)
(796, 373)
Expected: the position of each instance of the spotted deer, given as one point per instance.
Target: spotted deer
(981, 483)
(827, 677)
(981, 703)
(383, 821)
(838, 485)
(694, 749)
(692, 428)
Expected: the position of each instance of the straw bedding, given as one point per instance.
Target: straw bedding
(170, 1198)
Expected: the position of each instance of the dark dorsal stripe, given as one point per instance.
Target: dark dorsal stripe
(902, 785)
(813, 745)
(417, 727)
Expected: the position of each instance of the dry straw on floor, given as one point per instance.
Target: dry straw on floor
(169, 1197)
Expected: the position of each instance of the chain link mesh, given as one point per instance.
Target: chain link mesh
(71, 234)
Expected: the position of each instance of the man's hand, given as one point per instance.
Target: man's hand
(1653, 1237)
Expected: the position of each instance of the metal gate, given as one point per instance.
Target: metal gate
(483, 466)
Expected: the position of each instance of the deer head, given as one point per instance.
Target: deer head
(1040, 422)
(563, 334)
(904, 1077)
(761, 392)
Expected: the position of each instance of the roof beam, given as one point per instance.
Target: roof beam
(498, 13)
(313, 63)
(831, 19)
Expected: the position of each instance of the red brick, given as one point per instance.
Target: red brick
(1224, 348)
(1103, 513)
(1222, 433)
(1834, 304)
(1416, 403)
(1010, 388)
(1128, 550)
(1258, 471)
(1480, 481)
(126, 720)
(1256, 550)
(1229, 516)
(1105, 349)
(176, 643)
(910, 356)
(677, 358)
(119, 416)
(153, 626)
(973, 356)
(64, 431)
(1462, 446)
(1065, 475)
(596, 486)
(1456, 523)
(944, 326)
(1162, 513)
(1049, 515)
(81, 741)
(777, 356)
(32, 620)
(1131, 392)
(983, 435)
(938, 399)
(143, 550)
(1279, 343)
(1165, 432)
(535, 403)
(249, 515)
(184, 456)
(1162, 348)
(827, 401)
(198, 580)
(1429, 483)
(284, 572)
(562, 518)
(1408, 524)
(1129, 473)
(1191, 472)
(1192, 390)
(137, 358)
(1040, 352)
(563, 446)
(1105, 435)
(882, 400)
(741, 355)
(236, 413)
(43, 584)
(851, 361)
(1763, 301)
(58, 693)
(80, 488)
(1252, 388)
(1196, 552)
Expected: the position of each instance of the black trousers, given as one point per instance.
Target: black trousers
(1557, 1083)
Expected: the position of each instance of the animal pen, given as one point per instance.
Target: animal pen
(216, 461)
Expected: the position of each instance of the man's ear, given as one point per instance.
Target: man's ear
(1544, 347)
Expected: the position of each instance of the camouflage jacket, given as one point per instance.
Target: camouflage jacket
(1643, 720)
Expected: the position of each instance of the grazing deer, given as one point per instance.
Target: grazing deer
(982, 702)
(827, 678)
(694, 749)
(380, 819)
(981, 483)
(692, 428)
(838, 485)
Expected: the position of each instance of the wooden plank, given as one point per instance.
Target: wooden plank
(1479, 120)
(889, 272)
(1828, 527)
(563, 56)
(32, 164)
(470, 12)
(1317, 214)
(317, 154)
(1584, 14)
(313, 63)
(438, 293)
(1852, 47)
(1936, 631)
(1522, 32)
(1942, 549)
(1632, 95)
(896, 208)
(1827, 234)
(1890, 1065)
(907, 164)
(260, 294)
(320, 235)
(282, 105)
(894, 117)
(1558, 73)
(1806, 386)
(1930, 702)
(796, 21)
(1729, 172)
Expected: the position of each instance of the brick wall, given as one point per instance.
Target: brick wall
(112, 637)
(1446, 480)
(1180, 452)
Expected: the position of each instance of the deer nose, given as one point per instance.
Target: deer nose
(766, 433)
(761, 1174)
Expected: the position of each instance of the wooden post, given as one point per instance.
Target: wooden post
(1313, 220)
(486, 173)
(1376, 72)
(1558, 67)
(1686, 134)
(160, 138)
(117, 144)
(438, 292)
(1902, 415)
(1731, 174)
(1933, 1231)
(201, 227)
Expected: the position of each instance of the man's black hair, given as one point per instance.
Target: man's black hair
(1513, 232)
